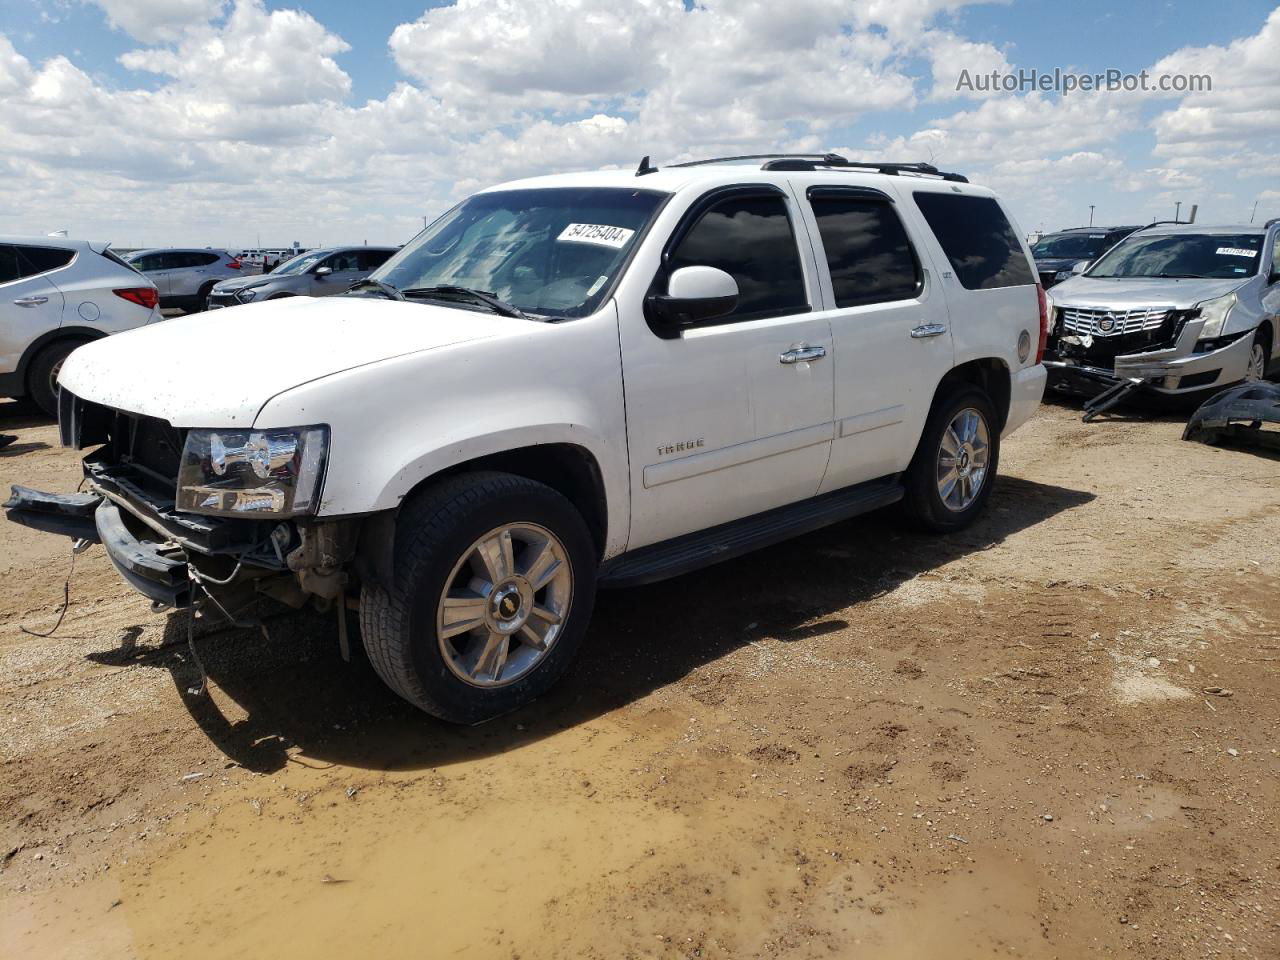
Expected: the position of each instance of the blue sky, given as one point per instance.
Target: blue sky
(193, 121)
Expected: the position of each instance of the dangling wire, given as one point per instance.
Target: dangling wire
(76, 548)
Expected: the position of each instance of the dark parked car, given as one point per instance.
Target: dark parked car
(1057, 254)
(316, 273)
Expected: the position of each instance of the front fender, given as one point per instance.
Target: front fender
(398, 422)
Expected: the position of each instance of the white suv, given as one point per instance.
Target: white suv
(593, 379)
(55, 295)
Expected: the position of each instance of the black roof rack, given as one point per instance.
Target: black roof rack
(815, 161)
(1161, 223)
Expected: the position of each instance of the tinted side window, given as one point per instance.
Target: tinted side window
(170, 261)
(751, 239)
(977, 238)
(33, 260)
(373, 259)
(204, 259)
(8, 264)
(867, 248)
(342, 262)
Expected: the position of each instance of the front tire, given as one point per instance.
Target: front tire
(1259, 356)
(949, 480)
(494, 583)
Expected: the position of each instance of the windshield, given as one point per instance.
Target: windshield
(298, 264)
(553, 251)
(1207, 256)
(1083, 246)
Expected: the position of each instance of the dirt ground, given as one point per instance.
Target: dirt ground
(1051, 736)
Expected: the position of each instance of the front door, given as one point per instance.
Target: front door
(729, 419)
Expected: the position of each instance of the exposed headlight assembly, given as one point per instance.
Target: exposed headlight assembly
(239, 473)
(1215, 313)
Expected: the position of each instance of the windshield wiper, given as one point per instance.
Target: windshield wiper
(479, 296)
(386, 289)
(1179, 276)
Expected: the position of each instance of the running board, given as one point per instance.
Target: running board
(671, 558)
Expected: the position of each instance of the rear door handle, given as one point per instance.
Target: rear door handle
(926, 330)
(31, 301)
(802, 353)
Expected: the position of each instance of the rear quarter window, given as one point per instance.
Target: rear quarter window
(978, 239)
(34, 260)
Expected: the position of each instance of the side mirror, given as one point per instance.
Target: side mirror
(322, 271)
(694, 294)
(1081, 267)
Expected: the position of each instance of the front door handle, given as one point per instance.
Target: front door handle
(802, 353)
(926, 330)
(31, 301)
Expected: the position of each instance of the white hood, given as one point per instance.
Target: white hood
(218, 369)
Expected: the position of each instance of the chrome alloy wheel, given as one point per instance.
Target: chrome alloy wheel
(504, 605)
(963, 456)
(1257, 363)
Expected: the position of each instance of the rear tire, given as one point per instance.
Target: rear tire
(494, 583)
(42, 375)
(950, 477)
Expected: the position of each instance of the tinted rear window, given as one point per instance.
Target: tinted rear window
(867, 249)
(977, 238)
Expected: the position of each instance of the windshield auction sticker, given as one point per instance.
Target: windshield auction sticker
(1236, 252)
(597, 233)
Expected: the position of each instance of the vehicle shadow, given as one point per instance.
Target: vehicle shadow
(20, 414)
(296, 692)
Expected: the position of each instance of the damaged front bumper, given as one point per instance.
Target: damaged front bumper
(155, 568)
(165, 555)
(1173, 371)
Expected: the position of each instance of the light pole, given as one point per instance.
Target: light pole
(1177, 210)
(1091, 214)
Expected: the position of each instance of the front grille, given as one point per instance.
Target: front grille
(1132, 331)
(1113, 323)
(222, 300)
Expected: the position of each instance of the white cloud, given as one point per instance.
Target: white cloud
(248, 117)
(153, 21)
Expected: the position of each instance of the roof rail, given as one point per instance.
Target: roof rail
(1161, 223)
(815, 161)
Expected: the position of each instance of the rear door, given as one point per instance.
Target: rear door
(889, 323)
(723, 421)
(30, 303)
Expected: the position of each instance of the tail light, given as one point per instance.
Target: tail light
(143, 296)
(234, 263)
(1044, 323)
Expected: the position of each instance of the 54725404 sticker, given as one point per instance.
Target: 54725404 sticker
(600, 234)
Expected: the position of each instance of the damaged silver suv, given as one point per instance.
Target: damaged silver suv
(1177, 308)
